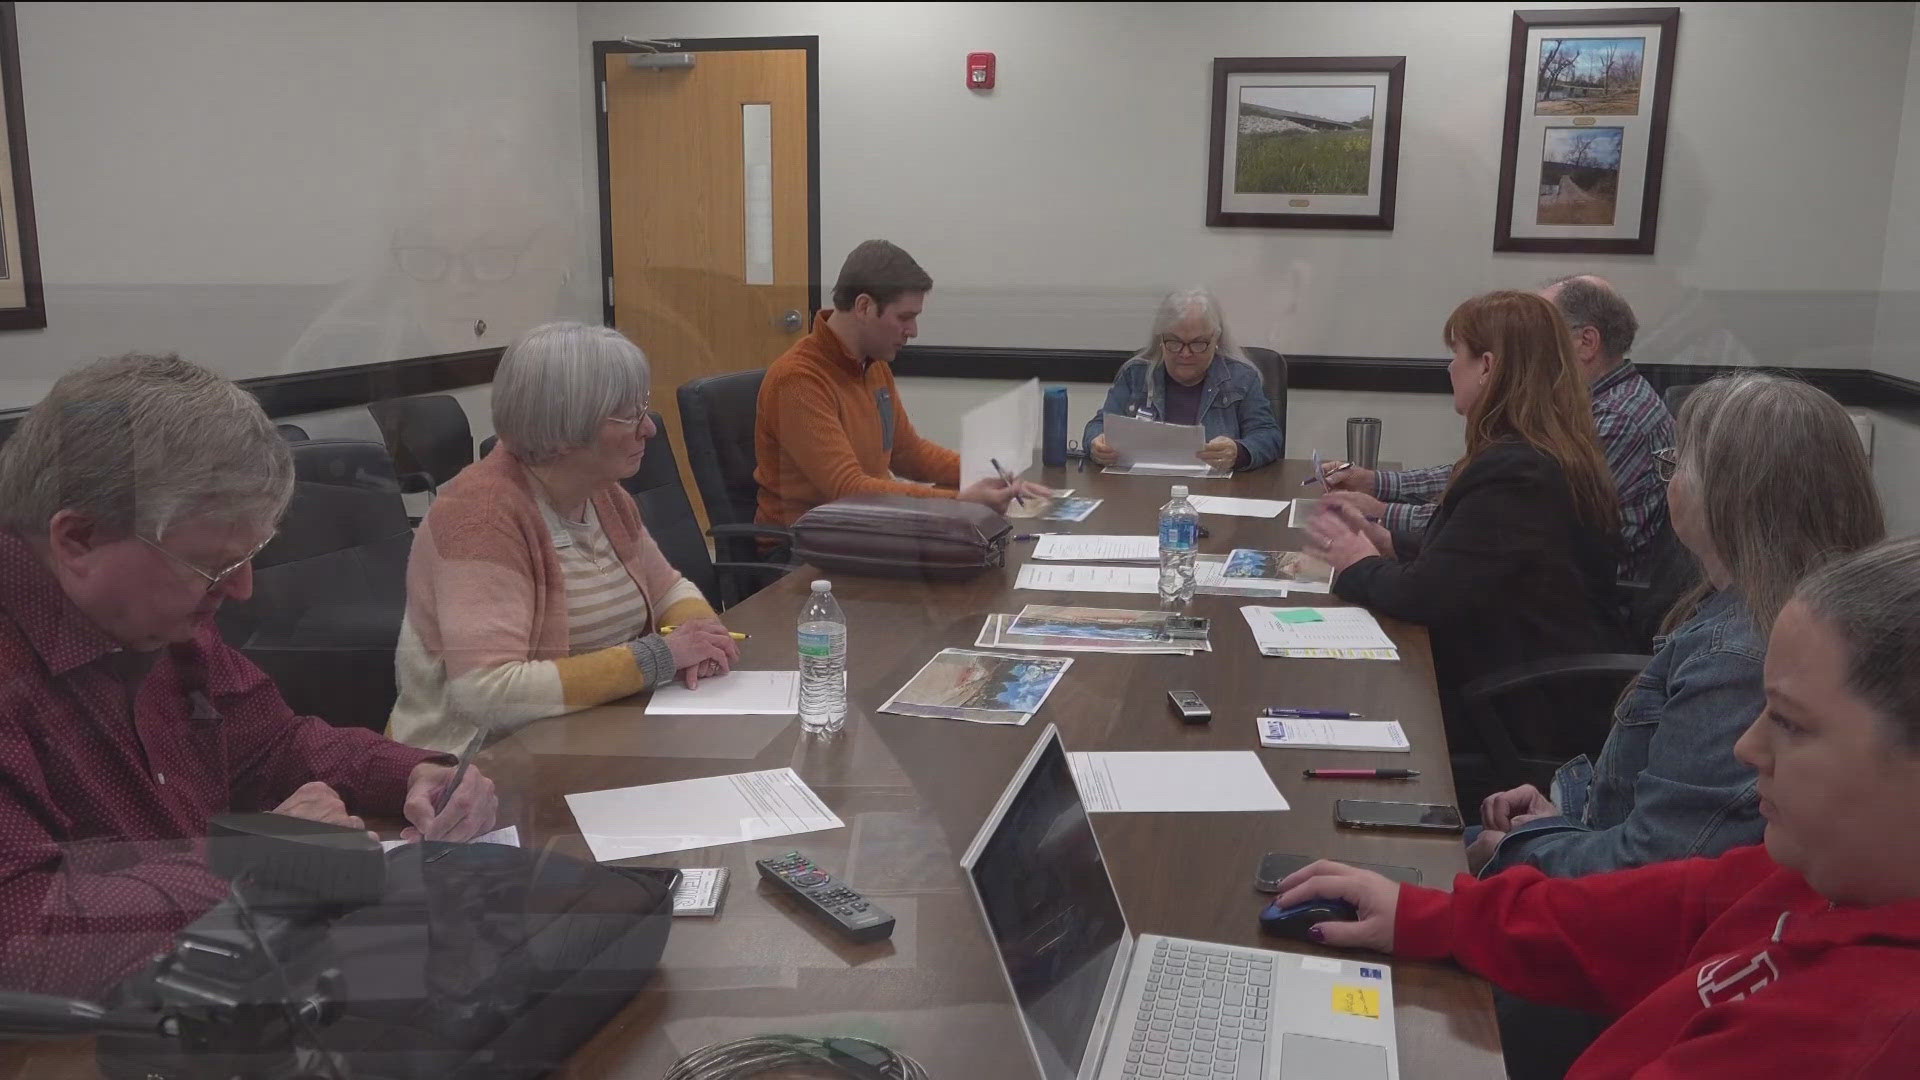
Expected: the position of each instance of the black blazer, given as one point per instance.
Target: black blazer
(1504, 573)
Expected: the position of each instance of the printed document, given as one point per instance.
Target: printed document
(1067, 547)
(1221, 504)
(623, 823)
(737, 693)
(1174, 781)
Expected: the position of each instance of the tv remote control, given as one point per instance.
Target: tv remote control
(856, 917)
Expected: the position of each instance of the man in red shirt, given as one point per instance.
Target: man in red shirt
(1794, 960)
(131, 501)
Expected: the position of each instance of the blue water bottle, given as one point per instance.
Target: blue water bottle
(1053, 426)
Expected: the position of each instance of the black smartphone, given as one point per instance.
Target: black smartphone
(1275, 866)
(1369, 814)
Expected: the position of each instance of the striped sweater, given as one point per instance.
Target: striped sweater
(486, 640)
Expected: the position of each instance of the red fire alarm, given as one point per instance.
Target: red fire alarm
(980, 71)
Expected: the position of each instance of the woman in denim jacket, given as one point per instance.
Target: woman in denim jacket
(1768, 482)
(1191, 372)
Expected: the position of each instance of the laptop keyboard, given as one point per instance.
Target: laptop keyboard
(1203, 1014)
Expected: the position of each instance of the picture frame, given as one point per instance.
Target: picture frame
(1585, 142)
(22, 304)
(1315, 141)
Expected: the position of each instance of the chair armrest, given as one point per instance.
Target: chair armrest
(1552, 669)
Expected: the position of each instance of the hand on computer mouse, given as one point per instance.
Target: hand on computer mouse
(1374, 898)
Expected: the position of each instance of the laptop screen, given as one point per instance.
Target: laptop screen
(1052, 910)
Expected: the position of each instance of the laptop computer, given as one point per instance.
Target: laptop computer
(1100, 1004)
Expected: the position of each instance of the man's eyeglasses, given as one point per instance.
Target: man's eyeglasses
(1665, 463)
(213, 580)
(1175, 345)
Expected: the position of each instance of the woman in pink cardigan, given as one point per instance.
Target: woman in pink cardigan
(534, 589)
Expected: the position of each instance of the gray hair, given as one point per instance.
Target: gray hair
(1585, 300)
(1873, 599)
(559, 382)
(1784, 482)
(1178, 305)
(138, 443)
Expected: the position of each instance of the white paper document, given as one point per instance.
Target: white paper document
(1302, 510)
(507, 836)
(1150, 442)
(624, 823)
(1067, 547)
(1174, 782)
(1319, 633)
(1221, 504)
(737, 693)
(1332, 734)
(1196, 470)
(1144, 580)
(1005, 429)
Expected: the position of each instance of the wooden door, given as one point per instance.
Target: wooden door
(698, 160)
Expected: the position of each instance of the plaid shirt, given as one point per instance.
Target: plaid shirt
(1632, 423)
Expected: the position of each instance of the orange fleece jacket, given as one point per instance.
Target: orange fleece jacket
(820, 434)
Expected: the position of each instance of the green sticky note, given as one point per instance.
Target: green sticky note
(1293, 615)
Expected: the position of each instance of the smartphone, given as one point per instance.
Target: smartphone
(1275, 866)
(1369, 814)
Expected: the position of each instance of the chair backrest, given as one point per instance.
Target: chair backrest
(719, 413)
(291, 432)
(487, 444)
(426, 434)
(1671, 571)
(1273, 376)
(1676, 395)
(662, 499)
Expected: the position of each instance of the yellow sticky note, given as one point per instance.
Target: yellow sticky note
(1356, 1001)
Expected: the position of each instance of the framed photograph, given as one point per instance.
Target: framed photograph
(1586, 135)
(21, 304)
(1305, 142)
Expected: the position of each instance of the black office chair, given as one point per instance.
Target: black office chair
(1676, 395)
(1273, 376)
(330, 590)
(291, 432)
(487, 444)
(1522, 746)
(718, 412)
(1670, 573)
(428, 436)
(663, 503)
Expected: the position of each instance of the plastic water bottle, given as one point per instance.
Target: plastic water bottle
(1179, 540)
(823, 661)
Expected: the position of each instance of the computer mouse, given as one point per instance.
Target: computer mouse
(1295, 921)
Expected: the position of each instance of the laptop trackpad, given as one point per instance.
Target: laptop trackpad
(1310, 1057)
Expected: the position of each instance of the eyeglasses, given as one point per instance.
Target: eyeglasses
(1175, 345)
(213, 580)
(1665, 463)
(634, 420)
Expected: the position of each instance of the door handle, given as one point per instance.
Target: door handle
(791, 321)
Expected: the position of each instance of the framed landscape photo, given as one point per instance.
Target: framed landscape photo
(1586, 132)
(1305, 142)
(21, 304)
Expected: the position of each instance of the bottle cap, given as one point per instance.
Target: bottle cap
(1179, 491)
(823, 585)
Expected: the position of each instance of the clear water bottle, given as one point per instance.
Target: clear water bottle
(823, 661)
(1179, 541)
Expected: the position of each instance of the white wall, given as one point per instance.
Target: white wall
(1053, 210)
(1897, 329)
(231, 180)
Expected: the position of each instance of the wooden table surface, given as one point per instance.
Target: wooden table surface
(914, 791)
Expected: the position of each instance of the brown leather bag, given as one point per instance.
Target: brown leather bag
(902, 536)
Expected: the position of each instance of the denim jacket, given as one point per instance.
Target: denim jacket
(1233, 403)
(1667, 785)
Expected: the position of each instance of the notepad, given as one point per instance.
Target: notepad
(1067, 547)
(737, 693)
(1340, 634)
(1296, 734)
(1221, 504)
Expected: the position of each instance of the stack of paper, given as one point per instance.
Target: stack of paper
(1066, 547)
(1197, 471)
(1190, 781)
(737, 693)
(1296, 570)
(1319, 633)
(1056, 628)
(1221, 504)
(1143, 580)
(980, 687)
(1333, 734)
(1151, 444)
(624, 823)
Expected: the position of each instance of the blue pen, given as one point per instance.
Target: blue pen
(1311, 714)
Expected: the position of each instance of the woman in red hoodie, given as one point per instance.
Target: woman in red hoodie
(1798, 959)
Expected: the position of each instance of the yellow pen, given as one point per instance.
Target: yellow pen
(734, 634)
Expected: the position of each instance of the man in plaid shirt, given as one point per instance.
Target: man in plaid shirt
(1631, 419)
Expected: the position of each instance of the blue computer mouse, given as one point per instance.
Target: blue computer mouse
(1295, 921)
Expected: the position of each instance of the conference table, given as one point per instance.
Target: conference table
(913, 792)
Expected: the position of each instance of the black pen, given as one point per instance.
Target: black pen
(1360, 774)
(1006, 478)
(453, 785)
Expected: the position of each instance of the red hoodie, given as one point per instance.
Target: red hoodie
(1715, 968)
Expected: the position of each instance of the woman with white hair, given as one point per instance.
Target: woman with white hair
(1191, 372)
(534, 588)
